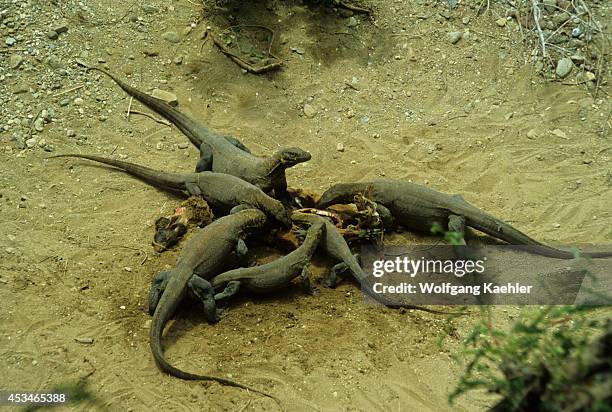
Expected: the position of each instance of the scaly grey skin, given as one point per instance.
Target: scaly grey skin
(223, 192)
(204, 254)
(336, 247)
(276, 274)
(225, 154)
(419, 208)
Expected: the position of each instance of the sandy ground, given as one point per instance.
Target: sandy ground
(470, 118)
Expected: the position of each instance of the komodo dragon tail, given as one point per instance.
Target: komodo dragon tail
(185, 124)
(156, 347)
(169, 181)
(508, 233)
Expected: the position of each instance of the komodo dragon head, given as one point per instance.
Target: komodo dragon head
(290, 156)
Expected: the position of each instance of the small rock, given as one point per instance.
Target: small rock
(61, 28)
(86, 341)
(38, 124)
(171, 36)
(584, 77)
(150, 52)
(49, 148)
(340, 147)
(54, 62)
(149, 9)
(532, 134)
(168, 97)
(559, 133)
(501, 22)
(178, 60)
(183, 145)
(15, 61)
(465, 20)
(455, 36)
(587, 161)
(556, 225)
(309, 111)
(18, 141)
(52, 35)
(564, 67)
(147, 324)
(31, 142)
(64, 102)
(577, 58)
(352, 22)
(346, 13)
(10, 41)
(78, 101)
(70, 133)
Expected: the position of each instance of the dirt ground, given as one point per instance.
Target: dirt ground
(403, 101)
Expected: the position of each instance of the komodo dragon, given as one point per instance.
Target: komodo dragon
(225, 154)
(273, 275)
(336, 247)
(223, 192)
(204, 255)
(419, 207)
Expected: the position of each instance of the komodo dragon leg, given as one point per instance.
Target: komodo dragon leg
(385, 215)
(237, 143)
(332, 279)
(157, 288)
(204, 291)
(305, 280)
(206, 159)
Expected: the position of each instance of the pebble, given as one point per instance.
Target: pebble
(150, 52)
(38, 124)
(54, 62)
(309, 111)
(10, 41)
(64, 102)
(340, 147)
(556, 225)
(501, 22)
(78, 101)
(15, 61)
(87, 341)
(168, 97)
(564, 67)
(171, 36)
(352, 22)
(70, 133)
(149, 9)
(183, 145)
(532, 134)
(31, 142)
(61, 28)
(455, 36)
